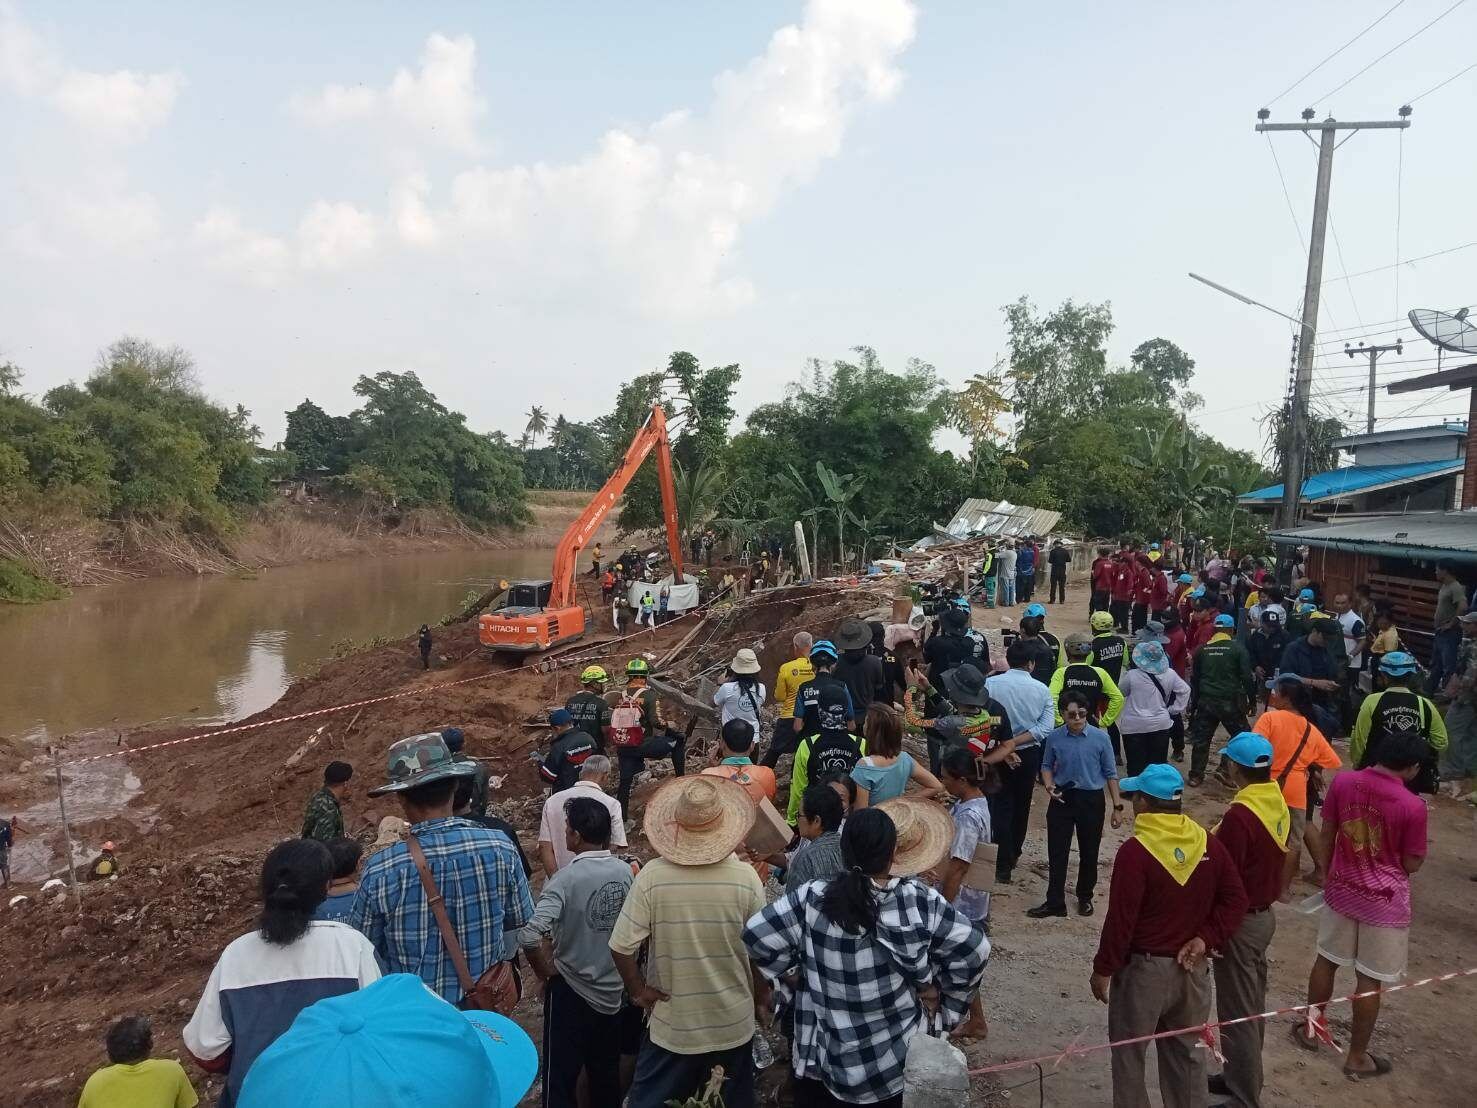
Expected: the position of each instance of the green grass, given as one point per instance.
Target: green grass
(18, 585)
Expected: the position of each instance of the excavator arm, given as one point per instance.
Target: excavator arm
(652, 435)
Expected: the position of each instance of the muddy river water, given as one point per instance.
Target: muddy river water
(213, 649)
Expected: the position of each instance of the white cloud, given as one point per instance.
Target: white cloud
(113, 218)
(331, 235)
(440, 100)
(121, 106)
(413, 219)
(232, 246)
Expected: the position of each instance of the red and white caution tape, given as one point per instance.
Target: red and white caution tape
(1204, 1033)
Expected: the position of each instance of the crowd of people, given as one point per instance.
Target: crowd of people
(872, 922)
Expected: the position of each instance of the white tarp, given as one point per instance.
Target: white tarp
(679, 597)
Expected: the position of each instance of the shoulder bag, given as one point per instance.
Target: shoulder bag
(1293, 761)
(498, 989)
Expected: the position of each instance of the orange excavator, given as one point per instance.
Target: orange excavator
(537, 615)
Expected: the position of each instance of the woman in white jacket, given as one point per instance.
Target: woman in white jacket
(1153, 693)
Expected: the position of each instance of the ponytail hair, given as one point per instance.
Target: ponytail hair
(868, 842)
(294, 882)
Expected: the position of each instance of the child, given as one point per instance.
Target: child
(134, 1078)
(967, 779)
(345, 854)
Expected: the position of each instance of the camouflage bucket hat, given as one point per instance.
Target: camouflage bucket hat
(420, 760)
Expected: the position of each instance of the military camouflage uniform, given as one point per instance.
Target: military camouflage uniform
(324, 819)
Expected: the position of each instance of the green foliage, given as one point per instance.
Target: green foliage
(1057, 363)
(700, 490)
(576, 458)
(20, 585)
(1320, 433)
(319, 441)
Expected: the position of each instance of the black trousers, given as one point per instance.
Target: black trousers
(1115, 737)
(1140, 617)
(783, 740)
(663, 1077)
(1098, 601)
(1120, 610)
(1080, 812)
(1177, 735)
(812, 1093)
(632, 760)
(1010, 809)
(1058, 589)
(1025, 585)
(1143, 750)
(1202, 729)
(577, 1036)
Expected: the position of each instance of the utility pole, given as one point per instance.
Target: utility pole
(1292, 458)
(1374, 353)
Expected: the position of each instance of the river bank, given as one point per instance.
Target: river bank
(41, 557)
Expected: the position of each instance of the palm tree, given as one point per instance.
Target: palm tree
(699, 494)
(538, 422)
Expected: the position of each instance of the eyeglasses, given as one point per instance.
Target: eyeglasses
(1075, 713)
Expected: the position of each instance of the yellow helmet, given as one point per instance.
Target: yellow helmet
(593, 674)
(1101, 621)
(637, 667)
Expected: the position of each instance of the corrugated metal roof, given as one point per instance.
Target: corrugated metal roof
(1403, 434)
(999, 517)
(1351, 480)
(1413, 535)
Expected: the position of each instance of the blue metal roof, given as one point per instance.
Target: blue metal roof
(1356, 479)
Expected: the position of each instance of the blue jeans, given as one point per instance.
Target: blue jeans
(1444, 646)
(1007, 590)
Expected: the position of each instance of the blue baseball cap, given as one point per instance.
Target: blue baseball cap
(560, 716)
(1250, 750)
(394, 1044)
(1305, 594)
(1197, 592)
(823, 646)
(1397, 663)
(1280, 676)
(1160, 780)
(1034, 610)
(1153, 546)
(1185, 579)
(1224, 620)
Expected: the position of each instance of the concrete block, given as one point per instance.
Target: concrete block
(936, 1074)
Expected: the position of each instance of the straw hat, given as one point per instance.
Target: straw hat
(695, 821)
(392, 829)
(924, 831)
(744, 661)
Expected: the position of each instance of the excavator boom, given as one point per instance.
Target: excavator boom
(563, 618)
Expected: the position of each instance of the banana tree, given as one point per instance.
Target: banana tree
(1189, 482)
(805, 502)
(700, 492)
(840, 489)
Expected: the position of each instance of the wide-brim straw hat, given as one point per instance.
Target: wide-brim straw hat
(744, 661)
(698, 820)
(924, 832)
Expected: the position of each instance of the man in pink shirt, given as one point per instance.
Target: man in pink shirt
(1374, 838)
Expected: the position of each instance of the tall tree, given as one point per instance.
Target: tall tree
(1167, 367)
(319, 441)
(1057, 363)
(538, 423)
(975, 413)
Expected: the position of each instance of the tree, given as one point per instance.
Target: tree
(700, 491)
(976, 412)
(1189, 480)
(1057, 363)
(10, 378)
(840, 489)
(319, 441)
(538, 423)
(1167, 367)
(1320, 433)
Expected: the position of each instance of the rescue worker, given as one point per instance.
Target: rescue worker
(787, 683)
(423, 641)
(481, 777)
(987, 577)
(1046, 648)
(1174, 897)
(638, 730)
(1254, 831)
(105, 866)
(824, 719)
(1220, 692)
(1397, 710)
(567, 752)
(589, 708)
(1108, 652)
(1080, 674)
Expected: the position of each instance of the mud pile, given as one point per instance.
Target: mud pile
(191, 842)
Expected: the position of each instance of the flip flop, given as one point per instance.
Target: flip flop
(1310, 1045)
(1382, 1066)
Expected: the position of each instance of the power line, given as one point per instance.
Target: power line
(1339, 88)
(1298, 227)
(1335, 54)
(1343, 269)
(1399, 204)
(1443, 84)
(1403, 261)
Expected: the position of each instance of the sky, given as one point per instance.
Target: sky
(529, 203)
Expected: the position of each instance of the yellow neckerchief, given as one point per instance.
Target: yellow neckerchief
(1219, 636)
(1266, 803)
(1177, 841)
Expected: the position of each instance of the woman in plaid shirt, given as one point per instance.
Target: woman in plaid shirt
(868, 945)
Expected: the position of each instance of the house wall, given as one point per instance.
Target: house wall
(1429, 496)
(1402, 452)
(1408, 585)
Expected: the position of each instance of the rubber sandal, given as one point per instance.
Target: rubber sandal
(1382, 1066)
(1312, 1046)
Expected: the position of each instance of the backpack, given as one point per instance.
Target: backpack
(625, 728)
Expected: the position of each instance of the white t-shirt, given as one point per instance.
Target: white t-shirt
(1353, 643)
(738, 704)
(553, 824)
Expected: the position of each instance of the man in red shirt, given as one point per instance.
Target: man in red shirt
(1102, 581)
(1120, 589)
(1254, 832)
(1174, 897)
(1143, 589)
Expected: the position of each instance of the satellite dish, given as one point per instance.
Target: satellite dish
(1446, 330)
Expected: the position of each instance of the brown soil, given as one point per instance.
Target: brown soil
(191, 842)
